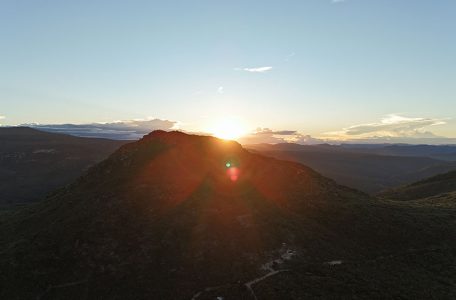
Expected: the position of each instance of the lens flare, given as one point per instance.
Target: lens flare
(233, 173)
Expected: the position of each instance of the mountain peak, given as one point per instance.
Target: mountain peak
(175, 215)
(175, 158)
(179, 137)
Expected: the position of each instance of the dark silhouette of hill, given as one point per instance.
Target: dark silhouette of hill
(34, 163)
(176, 216)
(371, 168)
(441, 187)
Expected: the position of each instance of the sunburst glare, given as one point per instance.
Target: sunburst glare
(228, 128)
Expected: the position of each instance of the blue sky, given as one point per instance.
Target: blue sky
(317, 67)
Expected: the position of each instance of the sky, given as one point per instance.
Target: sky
(302, 71)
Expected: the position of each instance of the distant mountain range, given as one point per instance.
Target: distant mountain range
(369, 168)
(135, 129)
(34, 163)
(443, 152)
(177, 216)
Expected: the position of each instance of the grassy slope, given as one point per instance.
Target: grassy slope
(440, 186)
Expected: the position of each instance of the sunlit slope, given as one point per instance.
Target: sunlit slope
(164, 218)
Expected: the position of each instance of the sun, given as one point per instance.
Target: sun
(228, 128)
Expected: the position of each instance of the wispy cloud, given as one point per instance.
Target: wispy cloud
(2, 117)
(289, 56)
(255, 70)
(337, 1)
(220, 90)
(391, 126)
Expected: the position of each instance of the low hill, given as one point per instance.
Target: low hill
(177, 216)
(34, 163)
(430, 187)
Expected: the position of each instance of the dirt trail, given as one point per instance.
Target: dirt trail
(285, 254)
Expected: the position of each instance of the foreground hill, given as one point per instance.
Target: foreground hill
(176, 216)
(369, 169)
(441, 187)
(34, 163)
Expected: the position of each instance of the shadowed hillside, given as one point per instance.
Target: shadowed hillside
(440, 190)
(34, 163)
(176, 216)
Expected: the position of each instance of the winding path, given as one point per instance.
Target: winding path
(268, 266)
(258, 279)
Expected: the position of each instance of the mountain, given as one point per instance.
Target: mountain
(34, 163)
(442, 152)
(177, 216)
(370, 168)
(439, 189)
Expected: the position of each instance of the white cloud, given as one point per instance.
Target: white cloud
(220, 90)
(390, 126)
(337, 1)
(118, 130)
(255, 70)
(268, 136)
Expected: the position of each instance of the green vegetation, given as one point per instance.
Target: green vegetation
(160, 219)
(441, 186)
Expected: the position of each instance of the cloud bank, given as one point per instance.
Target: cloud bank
(120, 130)
(136, 129)
(392, 128)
